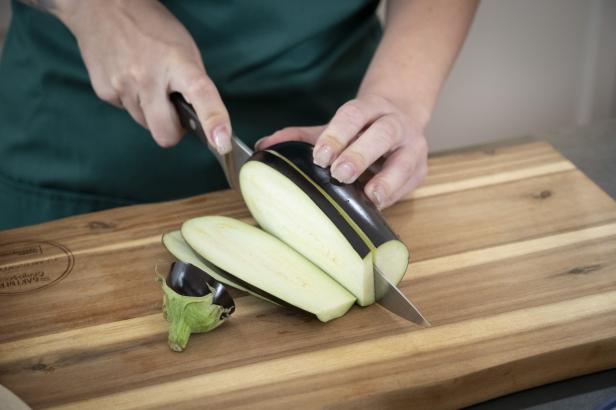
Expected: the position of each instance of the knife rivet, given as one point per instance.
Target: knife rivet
(192, 124)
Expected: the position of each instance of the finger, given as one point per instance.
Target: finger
(104, 90)
(116, 102)
(111, 97)
(201, 92)
(350, 119)
(416, 179)
(126, 88)
(405, 167)
(306, 134)
(384, 135)
(161, 117)
(124, 93)
(132, 105)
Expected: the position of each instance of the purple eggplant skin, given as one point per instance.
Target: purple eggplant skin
(188, 280)
(350, 197)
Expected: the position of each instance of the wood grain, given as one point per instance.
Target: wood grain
(513, 262)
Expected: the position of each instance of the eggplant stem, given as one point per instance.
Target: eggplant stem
(179, 333)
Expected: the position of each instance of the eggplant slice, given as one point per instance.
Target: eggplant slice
(334, 225)
(263, 261)
(177, 246)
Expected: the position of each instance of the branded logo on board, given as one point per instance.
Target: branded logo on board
(32, 265)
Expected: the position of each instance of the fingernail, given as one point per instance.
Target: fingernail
(259, 141)
(323, 155)
(344, 172)
(222, 141)
(378, 196)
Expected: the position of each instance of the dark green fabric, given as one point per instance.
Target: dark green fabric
(63, 151)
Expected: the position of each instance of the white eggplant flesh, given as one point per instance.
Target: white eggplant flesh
(392, 258)
(286, 211)
(264, 261)
(177, 246)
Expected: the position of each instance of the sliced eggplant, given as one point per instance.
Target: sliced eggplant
(334, 225)
(265, 262)
(177, 246)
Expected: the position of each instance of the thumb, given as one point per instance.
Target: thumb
(306, 134)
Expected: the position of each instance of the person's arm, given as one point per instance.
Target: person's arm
(137, 53)
(395, 101)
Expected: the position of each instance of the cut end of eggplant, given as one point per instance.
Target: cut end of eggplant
(392, 258)
(193, 302)
(189, 280)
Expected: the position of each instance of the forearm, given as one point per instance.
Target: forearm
(421, 41)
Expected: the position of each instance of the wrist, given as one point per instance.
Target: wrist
(413, 105)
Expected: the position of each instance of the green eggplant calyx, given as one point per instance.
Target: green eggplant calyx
(189, 314)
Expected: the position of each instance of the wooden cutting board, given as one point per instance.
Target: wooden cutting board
(513, 262)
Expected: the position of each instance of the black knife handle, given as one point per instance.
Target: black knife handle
(188, 115)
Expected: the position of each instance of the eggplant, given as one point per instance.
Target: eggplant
(193, 302)
(177, 246)
(334, 225)
(266, 263)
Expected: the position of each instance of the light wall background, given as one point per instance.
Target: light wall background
(529, 67)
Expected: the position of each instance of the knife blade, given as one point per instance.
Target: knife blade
(230, 162)
(392, 299)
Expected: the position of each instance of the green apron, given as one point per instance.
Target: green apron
(63, 151)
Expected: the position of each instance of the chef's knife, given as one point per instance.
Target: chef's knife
(392, 299)
(387, 295)
(230, 162)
